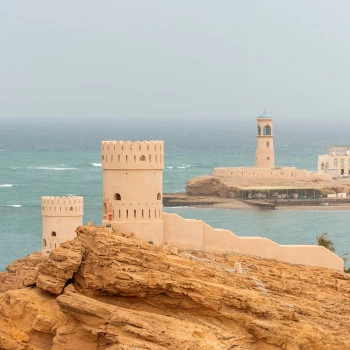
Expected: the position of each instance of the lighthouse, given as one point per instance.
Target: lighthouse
(265, 155)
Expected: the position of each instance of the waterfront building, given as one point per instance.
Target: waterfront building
(336, 162)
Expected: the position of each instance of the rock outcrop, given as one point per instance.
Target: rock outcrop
(106, 290)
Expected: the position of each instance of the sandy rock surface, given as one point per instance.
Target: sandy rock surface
(112, 291)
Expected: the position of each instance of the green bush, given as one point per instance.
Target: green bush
(324, 242)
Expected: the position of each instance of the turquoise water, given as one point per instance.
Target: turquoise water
(43, 159)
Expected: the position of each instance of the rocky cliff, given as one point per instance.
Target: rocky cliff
(106, 290)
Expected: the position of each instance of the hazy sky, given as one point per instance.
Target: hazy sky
(196, 59)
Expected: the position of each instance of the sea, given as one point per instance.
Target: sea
(52, 158)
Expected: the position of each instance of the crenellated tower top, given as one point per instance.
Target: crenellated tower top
(62, 206)
(132, 155)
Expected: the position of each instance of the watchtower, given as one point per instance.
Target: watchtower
(60, 217)
(132, 187)
(265, 155)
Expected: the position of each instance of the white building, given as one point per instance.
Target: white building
(336, 162)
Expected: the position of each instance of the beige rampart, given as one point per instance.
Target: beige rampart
(132, 155)
(196, 235)
(62, 206)
(271, 173)
(60, 218)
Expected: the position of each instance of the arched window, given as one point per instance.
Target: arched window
(335, 162)
(143, 158)
(53, 234)
(342, 162)
(159, 196)
(117, 197)
(267, 130)
(259, 130)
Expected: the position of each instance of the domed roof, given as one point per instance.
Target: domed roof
(265, 115)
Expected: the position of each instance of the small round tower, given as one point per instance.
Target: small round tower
(60, 217)
(132, 187)
(265, 155)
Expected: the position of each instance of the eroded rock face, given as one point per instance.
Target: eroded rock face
(112, 291)
(59, 268)
(207, 185)
(21, 273)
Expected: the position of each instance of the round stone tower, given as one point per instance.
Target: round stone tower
(265, 155)
(132, 187)
(60, 217)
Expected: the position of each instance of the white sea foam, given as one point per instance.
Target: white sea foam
(6, 185)
(96, 164)
(169, 167)
(13, 205)
(54, 168)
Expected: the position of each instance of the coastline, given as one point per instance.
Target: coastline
(184, 200)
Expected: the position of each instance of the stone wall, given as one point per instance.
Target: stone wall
(273, 173)
(189, 234)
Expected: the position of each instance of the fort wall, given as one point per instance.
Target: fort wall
(271, 173)
(132, 155)
(196, 235)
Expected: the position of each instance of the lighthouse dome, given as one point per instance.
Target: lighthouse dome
(264, 115)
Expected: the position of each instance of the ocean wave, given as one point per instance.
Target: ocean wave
(6, 185)
(169, 167)
(96, 164)
(53, 168)
(13, 205)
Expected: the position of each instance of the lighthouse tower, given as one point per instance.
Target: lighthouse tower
(132, 187)
(60, 217)
(265, 156)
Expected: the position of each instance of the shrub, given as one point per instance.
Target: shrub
(324, 242)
